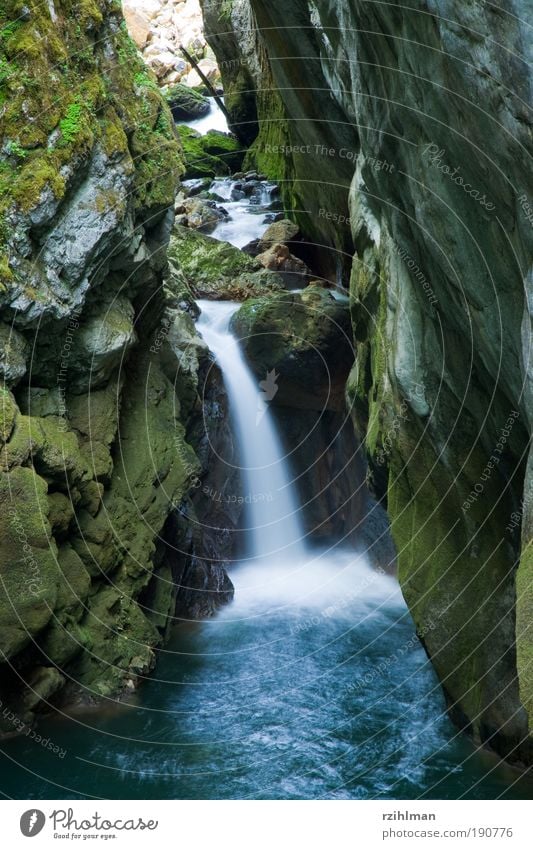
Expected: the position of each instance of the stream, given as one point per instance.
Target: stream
(312, 684)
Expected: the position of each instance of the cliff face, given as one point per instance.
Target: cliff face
(100, 363)
(417, 119)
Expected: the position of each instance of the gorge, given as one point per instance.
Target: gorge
(265, 483)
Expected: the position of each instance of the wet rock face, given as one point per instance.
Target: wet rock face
(426, 139)
(186, 103)
(210, 155)
(159, 28)
(300, 345)
(99, 360)
(198, 214)
(306, 339)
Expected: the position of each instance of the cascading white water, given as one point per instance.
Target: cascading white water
(274, 524)
(246, 215)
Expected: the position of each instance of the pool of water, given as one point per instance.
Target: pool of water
(311, 685)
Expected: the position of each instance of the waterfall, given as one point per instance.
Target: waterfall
(272, 508)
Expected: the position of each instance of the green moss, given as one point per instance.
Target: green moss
(64, 638)
(148, 124)
(66, 87)
(448, 571)
(70, 125)
(114, 139)
(8, 413)
(57, 455)
(198, 161)
(120, 639)
(39, 171)
(524, 618)
(61, 93)
(368, 392)
(224, 147)
(13, 148)
(9, 30)
(304, 337)
(153, 472)
(225, 9)
(6, 274)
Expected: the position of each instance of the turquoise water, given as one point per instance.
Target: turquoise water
(310, 685)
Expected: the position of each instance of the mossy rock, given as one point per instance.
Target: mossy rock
(18, 451)
(102, 344)
(213, 155)
(60, 513)
(95, 417)
(42, 684)
(181, 354)
(186, 103)
(14, 350)
(57, 455)
(213, 269)
(64, 638)
(225, 147)
(63, 95)
(95, 414)
(152, 470)
(448, 572)
(240, 101)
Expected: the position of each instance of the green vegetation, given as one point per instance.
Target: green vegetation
(58, 103)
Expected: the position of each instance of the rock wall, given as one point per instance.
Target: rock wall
(100, 365)
(406, 133)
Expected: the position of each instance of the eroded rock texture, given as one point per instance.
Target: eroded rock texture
(102, 439)
(413, 122)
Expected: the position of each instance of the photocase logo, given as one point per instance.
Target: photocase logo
(32, 822)
(269, 389)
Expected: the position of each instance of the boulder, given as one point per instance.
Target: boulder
(199, 161)
(199, 214)
(138, 16)
(280, 232)
(213, 269)
(28, 567)
(8, 414)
